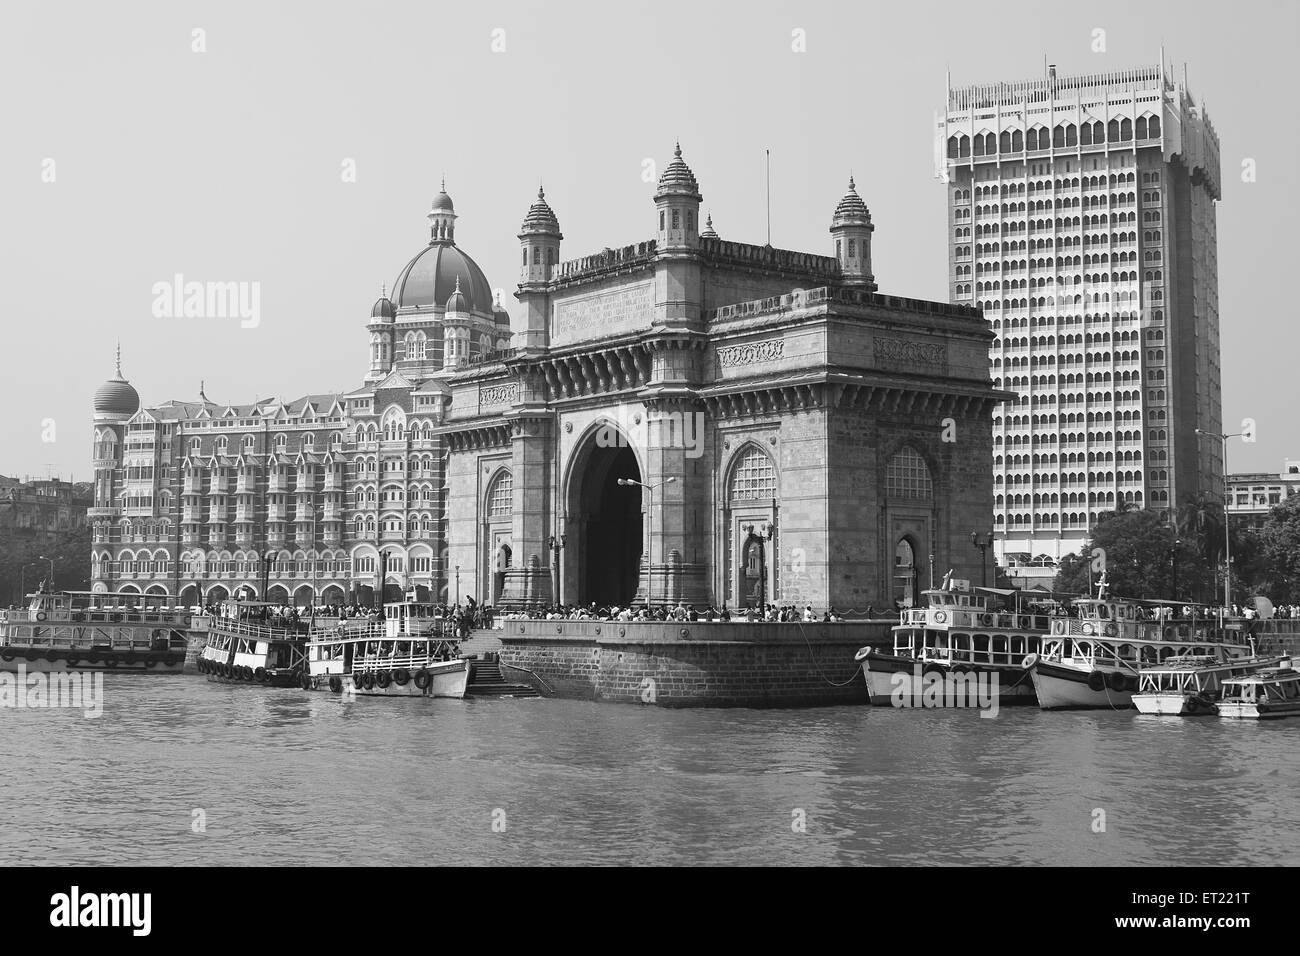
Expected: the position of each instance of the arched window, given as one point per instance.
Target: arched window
(501, 497)
(908, 476)
(753, 475)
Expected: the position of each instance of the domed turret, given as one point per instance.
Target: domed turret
(442, 218)
(708, 232)
(117, 397)
(499, 314)
(456, 301)
(677, 199)
(851, 226)
(384, 309)
(540, 238)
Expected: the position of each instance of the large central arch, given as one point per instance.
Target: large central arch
(606, 524)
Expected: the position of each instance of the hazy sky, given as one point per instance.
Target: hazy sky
(227, 165)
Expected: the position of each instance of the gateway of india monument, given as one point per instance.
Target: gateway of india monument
(687, 419)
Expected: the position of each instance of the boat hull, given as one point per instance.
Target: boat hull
(1062, 687)
(92, 659)
(1172, 705)
(1265, 711)
(446, 679)
(1013, 684)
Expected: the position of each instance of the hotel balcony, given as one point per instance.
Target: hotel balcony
(333, 481)
(275, 483)
(193, 485)
(275, 538)
(276, 513)
(191, 513)
(246, 485)
(217, 537)
(333, 538)
(191, 537)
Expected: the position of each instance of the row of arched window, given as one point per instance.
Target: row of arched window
(1061, 136)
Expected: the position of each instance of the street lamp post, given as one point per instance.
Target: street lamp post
(650, 574)
(51, 560)
(982, 541)
(1173, 562)
(458, 585)
(1227, 537)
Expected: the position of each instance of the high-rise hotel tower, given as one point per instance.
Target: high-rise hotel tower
(1081, 220)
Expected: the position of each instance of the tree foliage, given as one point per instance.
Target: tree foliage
(22, 566)
(1141, 552)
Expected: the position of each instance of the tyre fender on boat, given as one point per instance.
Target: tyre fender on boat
(1116, 681)
(401, 677)
(260, 674)
(384, 679)
(862, 654)
(1096, 682)
(1030, 661)
(110, 661)
(7, 655)
(1193, 705)
(336, 684)
(304, 681)
(423, 678)
(369, 679)
(940, 617)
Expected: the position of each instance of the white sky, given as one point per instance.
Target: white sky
(225, 165)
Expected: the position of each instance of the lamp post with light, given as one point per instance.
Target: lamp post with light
(983, 541)
(556, 543)
(649, 489)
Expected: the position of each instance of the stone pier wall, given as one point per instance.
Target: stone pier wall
(693, 664)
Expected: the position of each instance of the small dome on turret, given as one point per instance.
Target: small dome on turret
(442, 202)
(677, 178)
(456, 302)
(384, 308)
(709, 232)
(851, 211)
(499, 313)
(540, 218)
(117, 396)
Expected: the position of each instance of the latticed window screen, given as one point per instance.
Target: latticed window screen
(908, 476)
(753, 476)
(501, 502)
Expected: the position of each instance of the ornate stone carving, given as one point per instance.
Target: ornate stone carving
(750, 353)
(503, 394)
(903, 352)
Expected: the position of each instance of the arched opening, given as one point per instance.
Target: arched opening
(157, 590)
(217, 593)
(609, 519)
(304, 596)
(277, 594)
(189, 596)
(333, 594)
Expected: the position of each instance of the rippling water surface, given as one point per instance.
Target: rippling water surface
(290, 777)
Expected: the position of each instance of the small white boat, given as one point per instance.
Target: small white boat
(411, 652)
(1190, 685)
(246, 646)
(1263, 695)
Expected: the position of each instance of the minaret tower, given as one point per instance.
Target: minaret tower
(851, 226)
(539, 238)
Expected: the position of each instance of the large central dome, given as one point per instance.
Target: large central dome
(430, 278)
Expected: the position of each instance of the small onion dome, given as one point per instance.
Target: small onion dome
(442, 202)
(384, 309)
(456, 302)
(117, 396)
(499, 313)
(708, 232)
(677, 179)
(851, 211)
(541, 218)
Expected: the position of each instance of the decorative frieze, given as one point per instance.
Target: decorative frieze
(751, 353)
(902, 352)
(503, 394)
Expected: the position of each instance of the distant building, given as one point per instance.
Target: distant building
(38, 511)
(1081, 221)
(1252, 495)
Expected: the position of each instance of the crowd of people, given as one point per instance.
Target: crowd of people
(461, 618)
(666, 612)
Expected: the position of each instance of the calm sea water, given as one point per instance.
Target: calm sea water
(290, 777)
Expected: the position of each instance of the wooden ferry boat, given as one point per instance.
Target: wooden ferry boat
(86, 630)
(1191, 685)
(244, 647)
(957, 631)
(1263, 695)
(1093, 659)
(412, 652)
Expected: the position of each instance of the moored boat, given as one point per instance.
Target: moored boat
(1264, 695)
(246, 644)
(957, 635)
(411, 652)
(1092, 658)
(87, 630)
(1190, 685)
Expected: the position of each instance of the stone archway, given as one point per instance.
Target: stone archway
(277, 594)
(304, 596)
(606, 522)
